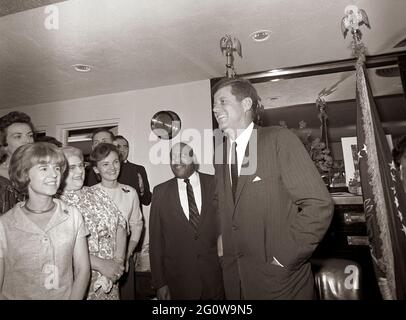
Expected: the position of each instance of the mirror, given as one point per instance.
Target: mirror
(165, 124)
(294, 100)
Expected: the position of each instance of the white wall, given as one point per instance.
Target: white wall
(133, 110)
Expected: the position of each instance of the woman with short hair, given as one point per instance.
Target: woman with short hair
(16, 129)
(105, 159)
(107, 226)
(43, 247)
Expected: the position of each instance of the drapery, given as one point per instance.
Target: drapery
(383, 195)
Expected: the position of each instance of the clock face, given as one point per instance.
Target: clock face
(165, 124)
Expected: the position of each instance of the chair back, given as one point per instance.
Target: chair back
(337, 279)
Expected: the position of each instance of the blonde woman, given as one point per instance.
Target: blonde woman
(107, 226)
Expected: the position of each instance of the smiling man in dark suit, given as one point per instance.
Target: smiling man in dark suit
(184, 229)
(273, 204)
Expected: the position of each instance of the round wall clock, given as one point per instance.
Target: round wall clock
(165, 124)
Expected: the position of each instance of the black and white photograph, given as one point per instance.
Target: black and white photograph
(213, 153)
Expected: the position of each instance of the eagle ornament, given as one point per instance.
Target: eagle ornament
(353, 19)
(227, 46)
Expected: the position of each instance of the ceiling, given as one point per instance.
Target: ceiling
(13, 6)
(141, 44)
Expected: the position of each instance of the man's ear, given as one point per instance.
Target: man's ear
(246, 104)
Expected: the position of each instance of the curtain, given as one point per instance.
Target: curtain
(383, 195)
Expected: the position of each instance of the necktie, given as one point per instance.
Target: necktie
(234, 168)
(194, 216)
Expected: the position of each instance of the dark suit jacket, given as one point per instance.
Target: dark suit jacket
(282, 211)
(185, 261)
(90, 177)
(129, 176)
(9, 196)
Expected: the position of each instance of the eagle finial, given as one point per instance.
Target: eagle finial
(227, 47)
(353, 19)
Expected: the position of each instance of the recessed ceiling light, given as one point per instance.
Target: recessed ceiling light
(260, 35)
(275, 80)
(82, 67)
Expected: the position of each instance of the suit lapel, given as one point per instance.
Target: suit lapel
(226, 175)
(242, 179)
(246, 167)
(204, 195)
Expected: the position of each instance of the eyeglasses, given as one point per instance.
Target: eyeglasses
(122, 147)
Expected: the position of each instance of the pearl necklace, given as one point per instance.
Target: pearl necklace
(39, 211)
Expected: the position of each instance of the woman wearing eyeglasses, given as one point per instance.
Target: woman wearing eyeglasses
(107, 226)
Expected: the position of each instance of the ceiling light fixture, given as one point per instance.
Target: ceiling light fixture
(82, 67)
(260, 35)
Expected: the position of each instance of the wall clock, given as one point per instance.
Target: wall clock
(165, 124)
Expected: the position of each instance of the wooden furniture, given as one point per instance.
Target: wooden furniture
(347, 239)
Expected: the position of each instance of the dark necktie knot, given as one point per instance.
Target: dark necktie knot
(187, 181)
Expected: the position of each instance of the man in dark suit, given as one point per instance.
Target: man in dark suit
(135, 176)
(273, 204)
(184, 232)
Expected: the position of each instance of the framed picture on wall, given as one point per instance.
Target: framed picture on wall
(349, 145)
(350, 155)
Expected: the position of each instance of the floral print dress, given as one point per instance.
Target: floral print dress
(102, 218)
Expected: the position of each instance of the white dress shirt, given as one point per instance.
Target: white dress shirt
(195, 182)
(242, 142)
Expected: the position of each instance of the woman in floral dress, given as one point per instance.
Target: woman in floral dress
(107, 227)
(105, 159)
